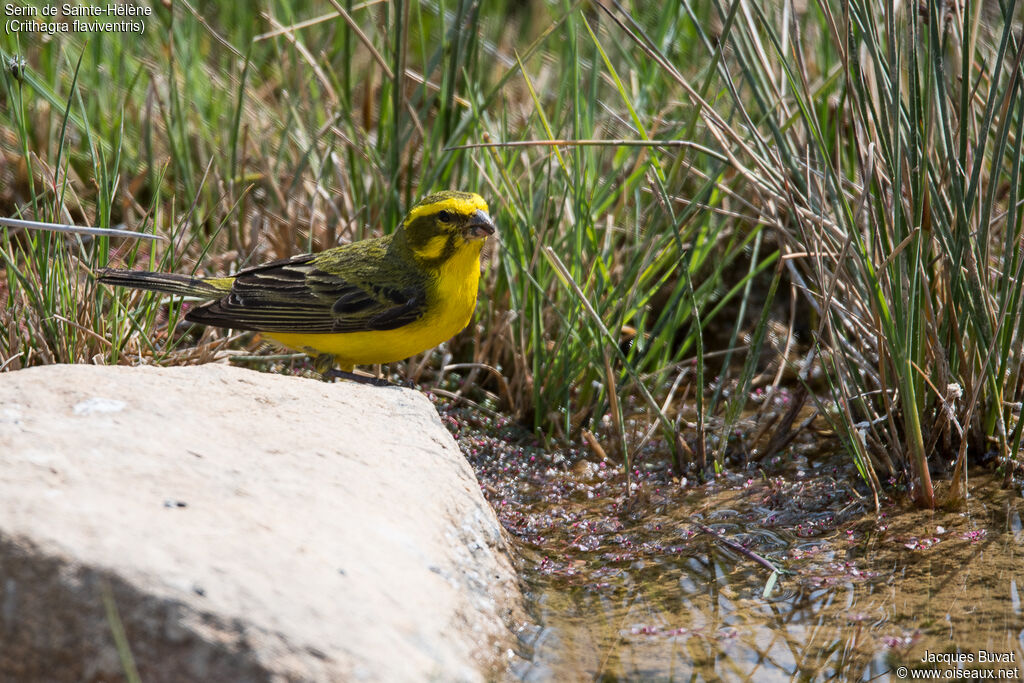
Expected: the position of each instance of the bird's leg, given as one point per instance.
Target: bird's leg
(324, 364)
(361, 379)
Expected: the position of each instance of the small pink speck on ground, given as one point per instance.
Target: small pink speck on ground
(921, 543)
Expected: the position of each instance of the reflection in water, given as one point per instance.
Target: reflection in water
(864, 599)
(628, 588)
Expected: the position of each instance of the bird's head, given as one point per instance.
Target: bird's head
(446, 223)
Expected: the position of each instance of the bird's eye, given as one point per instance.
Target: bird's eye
(445, 216)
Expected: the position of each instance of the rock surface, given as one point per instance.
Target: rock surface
(240, 526)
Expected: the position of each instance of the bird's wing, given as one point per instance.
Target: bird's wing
(304, 294)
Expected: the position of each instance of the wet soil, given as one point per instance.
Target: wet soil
(783, 571)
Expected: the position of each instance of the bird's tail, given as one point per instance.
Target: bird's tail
(168, 283)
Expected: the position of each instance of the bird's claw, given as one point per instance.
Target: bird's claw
(334, 373)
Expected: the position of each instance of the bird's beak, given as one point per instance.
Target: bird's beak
(479, 227)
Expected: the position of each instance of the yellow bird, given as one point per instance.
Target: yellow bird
(376, 301)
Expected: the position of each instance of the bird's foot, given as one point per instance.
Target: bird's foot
(335, 373)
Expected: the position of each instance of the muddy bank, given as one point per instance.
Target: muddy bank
(627, 587)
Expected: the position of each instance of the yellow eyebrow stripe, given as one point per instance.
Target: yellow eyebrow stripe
(459, 205)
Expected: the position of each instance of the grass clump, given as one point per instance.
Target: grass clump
(696, 202)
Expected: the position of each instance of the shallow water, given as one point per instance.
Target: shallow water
(865, 598)
(632, 587)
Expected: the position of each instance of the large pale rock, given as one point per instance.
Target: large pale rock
(241, 526)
